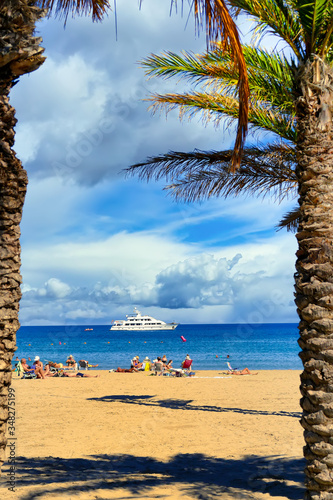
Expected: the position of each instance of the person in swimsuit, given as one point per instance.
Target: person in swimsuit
(37, 367)
(70, 361)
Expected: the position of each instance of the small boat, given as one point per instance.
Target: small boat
(88, 329)
(141, 322)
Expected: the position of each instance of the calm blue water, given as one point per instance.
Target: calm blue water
(262, 347)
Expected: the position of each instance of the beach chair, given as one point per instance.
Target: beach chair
(83, 364)
(29, 374)
(18, 368)
(159, 368)
(230, 368)
(187, 365)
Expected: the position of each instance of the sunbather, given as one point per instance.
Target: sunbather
(26, 367)
(235, 371)
(70, 362)
(37, 367)
(245, 371)
(168, 366)
(79, 374)
(136, 363)
(55, 365)
(126, 370)
(85, 362)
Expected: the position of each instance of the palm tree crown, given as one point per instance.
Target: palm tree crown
(268, 169)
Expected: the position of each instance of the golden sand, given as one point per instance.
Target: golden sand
(132, 435)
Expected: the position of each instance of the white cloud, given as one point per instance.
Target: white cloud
(57, 289)
(196, 282)
(199, 282)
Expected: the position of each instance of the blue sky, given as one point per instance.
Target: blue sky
(95, 244)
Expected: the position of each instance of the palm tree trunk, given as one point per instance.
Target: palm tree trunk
(13, 182)
(314, 274)
(19, 53)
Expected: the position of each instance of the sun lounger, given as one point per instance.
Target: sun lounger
(159, 368)
(230, 369)
(18, 368)
(29, 374)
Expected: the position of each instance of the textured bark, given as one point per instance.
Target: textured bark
(19, 53)
(314, 273)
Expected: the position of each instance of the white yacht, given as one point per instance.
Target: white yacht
(138, 321)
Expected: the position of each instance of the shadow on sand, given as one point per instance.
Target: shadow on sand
(185, 404)
(199, 476)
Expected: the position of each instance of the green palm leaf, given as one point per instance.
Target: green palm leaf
(269, 75)
(277, 17)
(313, 16)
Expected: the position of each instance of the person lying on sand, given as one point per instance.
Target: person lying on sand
(63, 373)
(245, 371)
(125, 370)
(236, 371)
(79, 374)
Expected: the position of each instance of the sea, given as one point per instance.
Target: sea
(256, 346)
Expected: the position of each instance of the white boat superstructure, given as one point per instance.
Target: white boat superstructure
(138, 321)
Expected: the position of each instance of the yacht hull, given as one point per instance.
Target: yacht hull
(143, 328)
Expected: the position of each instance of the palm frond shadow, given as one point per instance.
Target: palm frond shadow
(185, 404)
(197, 475)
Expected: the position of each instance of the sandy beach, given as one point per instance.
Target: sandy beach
(132, 435)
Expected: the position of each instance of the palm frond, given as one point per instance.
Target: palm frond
(290, 221)
(316, 19)
(215, 106)
(199, 175)
(277, 17)
(62, 8)
(189, 66)
(270, 78)
(264, 116)
(220, 25)
(269, 73)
